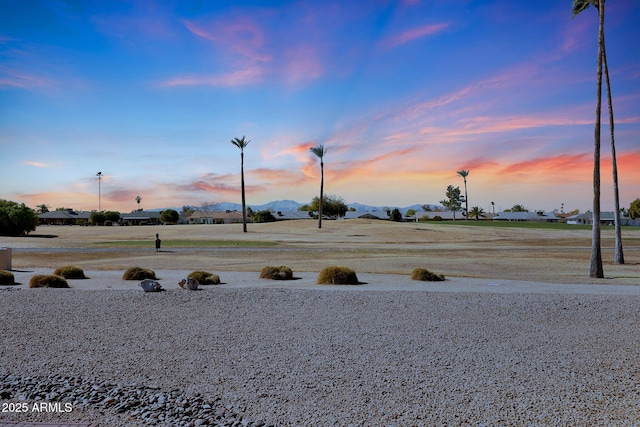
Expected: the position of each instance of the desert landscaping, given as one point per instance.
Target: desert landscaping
(517, 334)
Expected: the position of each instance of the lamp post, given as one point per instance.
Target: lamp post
(99, 175)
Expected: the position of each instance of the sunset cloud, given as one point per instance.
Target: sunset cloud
(36, 164)
(246, 77)
(412, 34)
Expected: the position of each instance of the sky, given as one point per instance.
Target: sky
(402, 94)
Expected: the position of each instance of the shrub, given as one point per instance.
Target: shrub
(16, 219)
(137, 273)
(426, 275)
(437, 218)
(276, 273)
(48, 281)
(169, 216)
(70, 272)
(337, 276)
(6, 278)
(205, 278)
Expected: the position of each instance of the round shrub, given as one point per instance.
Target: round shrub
(48, 281)
(337, 276)
(276, 273)
(137, 273)
(6, 278)
(205, 278)
(70, 272)
(426, 275)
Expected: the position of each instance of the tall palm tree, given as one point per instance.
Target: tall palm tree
(241, 143)
(463, 173)
(595, 266)
(320, 151)
(579, 6)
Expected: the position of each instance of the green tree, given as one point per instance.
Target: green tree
(453, 200)
(241, 143)
(16, 219)
(595, 265)
(396, 216)
(320, 151)
(187, 211)
(42, 208)
(464, 174)
(634, 209)
(477, 212)
(169, 216)
(332, 205)
(97, 218)
(138, 200)
(112, 216)
(410, 212)
(518, 208)
(578, 7)
(264, 216)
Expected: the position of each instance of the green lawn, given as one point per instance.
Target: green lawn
(517, 224)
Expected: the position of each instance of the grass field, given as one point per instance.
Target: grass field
(557, 253)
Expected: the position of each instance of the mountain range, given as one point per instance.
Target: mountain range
(291, 205)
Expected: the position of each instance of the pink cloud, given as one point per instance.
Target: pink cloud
(11, 78)
(36, 164)
(241, 37)
(244, 77)
(412, 34)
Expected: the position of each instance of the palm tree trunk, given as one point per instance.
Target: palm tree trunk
(244, 206)
(618, 257)
(321, 195)
(466, 201)
(595, 268)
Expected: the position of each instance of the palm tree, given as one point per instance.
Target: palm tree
(477, 212)
(138, 200)
(595, 266)
(241, 143)
(463, 173)
(320, 151)
(579, 6)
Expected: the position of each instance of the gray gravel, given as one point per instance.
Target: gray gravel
(292, 357)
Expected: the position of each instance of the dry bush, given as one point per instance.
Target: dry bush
(48, 281)
(276, 273)
(205, 278)
(426, 275)
(337, 276)
(70, 272)
(7, 278)
(137, 273)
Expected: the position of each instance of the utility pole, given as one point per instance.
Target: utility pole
(99, 175)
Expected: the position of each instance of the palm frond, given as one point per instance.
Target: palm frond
(241, 143)
(579, 6)
(319, 151)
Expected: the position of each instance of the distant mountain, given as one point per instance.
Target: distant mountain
(291, 205)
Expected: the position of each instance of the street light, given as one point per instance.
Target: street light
(99, 175)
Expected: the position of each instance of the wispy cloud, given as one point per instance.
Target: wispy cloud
(14, 78)
(412, 34)
(245, 77)
(36, 164)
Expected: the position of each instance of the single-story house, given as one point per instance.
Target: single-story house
(141, 217)
(66, 217)
(366, 215)
(292, 215)
(606, 218)
(539, 216)
(217, 217)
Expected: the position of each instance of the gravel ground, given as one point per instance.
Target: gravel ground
(293, 357)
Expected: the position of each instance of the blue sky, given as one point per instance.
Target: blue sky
(402, 93)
